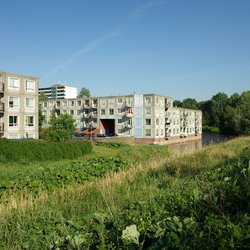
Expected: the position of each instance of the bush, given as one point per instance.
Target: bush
(31, 150)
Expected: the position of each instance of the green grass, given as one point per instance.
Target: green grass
(181, 202)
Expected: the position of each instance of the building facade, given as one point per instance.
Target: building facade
(18, 106)
(148, 118)
(59, 91)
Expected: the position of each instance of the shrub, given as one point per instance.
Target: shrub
(31, 150)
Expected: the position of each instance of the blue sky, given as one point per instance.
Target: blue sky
(179, 48)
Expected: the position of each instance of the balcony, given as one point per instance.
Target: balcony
(128, 125)
(167, 105)
(1, 107)
(167, 124)
(129, 115)
(1, 127)
(92, 115)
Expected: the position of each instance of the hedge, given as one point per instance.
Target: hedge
(33, 150)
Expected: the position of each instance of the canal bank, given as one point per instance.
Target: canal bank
(195, 145)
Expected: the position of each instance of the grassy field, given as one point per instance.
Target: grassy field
(150, 201)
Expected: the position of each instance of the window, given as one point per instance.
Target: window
(78, 112)
(71, 112)
(119, 100)
(29, 121)
(111, 111)
(103, 101)
(13, 121)
(119, 121)
(157, 132)
(148, 132)
(13, 102)
(45, 104)
(119, 111)
(148, 121)
(157, 121)
(111, 101)
(65, 104)
(148, 111)
(13, 83)
(157, 100)
(119, 131)
(148, 99)
(79, 103)
(30, 103)
(72, 103)
(30, 86)
(102, 111)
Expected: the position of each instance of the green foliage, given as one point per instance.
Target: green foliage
(207, 209)
(230, 115)
(25, 151)
(43, 97)
(61, 127)
(84, 92)
(48, 178)
(116, 145)
(190, 103)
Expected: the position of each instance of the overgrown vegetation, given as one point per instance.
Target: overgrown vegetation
(198, 201)
(24, 151)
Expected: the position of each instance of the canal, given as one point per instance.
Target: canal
(192, 146)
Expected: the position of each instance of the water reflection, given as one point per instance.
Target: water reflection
(186, 147)
(192, 146)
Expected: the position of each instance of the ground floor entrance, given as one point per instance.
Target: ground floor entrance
(107, 127)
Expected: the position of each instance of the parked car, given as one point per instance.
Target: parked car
(113, 134)
(101, 136)
(78, 135)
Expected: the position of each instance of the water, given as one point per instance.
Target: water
(192, 146)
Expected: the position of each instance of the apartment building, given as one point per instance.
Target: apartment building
(148, 118)
(18, 106)
(59, 91)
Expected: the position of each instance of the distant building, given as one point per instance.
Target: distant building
(148, 118)
(18, 106)
(59, 91)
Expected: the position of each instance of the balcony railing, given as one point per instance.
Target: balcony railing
(1, 127)
(1, 106)
(1, 87)
(129, 115)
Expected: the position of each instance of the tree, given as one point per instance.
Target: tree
(231, 123)
(218, 106)
(61, 127)
(190, 103)
(41, 117)
(43, 97)
(84, 92)
(177, 103)
(244, 110)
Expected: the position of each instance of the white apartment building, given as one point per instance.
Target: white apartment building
(59, 91)
(148, 118)
(18, 106)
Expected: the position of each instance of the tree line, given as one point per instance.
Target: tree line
(223, 113)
